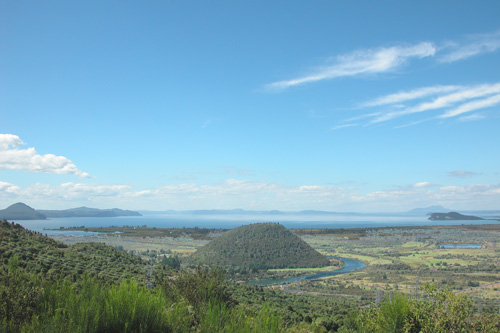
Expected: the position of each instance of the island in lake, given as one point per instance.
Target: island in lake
(452, 216)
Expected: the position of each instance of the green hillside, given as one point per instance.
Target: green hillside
(259, 246)
(42, 255)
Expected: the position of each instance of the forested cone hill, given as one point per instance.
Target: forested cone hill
(259, 246)
(40, 254)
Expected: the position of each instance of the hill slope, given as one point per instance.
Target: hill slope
(20, 211)
(40, 254)
(261, 246)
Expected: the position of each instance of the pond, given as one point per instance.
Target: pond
(459, 246)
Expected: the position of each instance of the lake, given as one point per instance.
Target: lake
(230, 221)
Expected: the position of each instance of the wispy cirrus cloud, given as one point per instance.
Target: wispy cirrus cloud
(473, 45)
(388, 59)
(334, 128)
(472, 117)
(463, 98)
(13, 157)
(448, 101)
(368, 61)
(403, 96)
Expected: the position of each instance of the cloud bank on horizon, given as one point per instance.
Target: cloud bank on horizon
(258, 195)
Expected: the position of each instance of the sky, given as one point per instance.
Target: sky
(366, 106)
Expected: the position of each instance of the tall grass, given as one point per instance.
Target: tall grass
(91, 306)
(127, 307)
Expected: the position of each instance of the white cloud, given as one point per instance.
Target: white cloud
(13, 157)
(8, 188)
(422, 184)
(94, 189)
(474, 45)
(8, 141)
(370, 61)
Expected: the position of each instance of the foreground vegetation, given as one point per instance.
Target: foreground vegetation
(119, 292)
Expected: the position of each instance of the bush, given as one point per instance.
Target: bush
(440, 311)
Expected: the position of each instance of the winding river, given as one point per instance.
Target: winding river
(350, 266)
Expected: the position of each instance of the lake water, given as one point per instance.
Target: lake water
(230, 221)
(459, 246)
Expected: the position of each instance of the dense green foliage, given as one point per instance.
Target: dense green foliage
(41, 254)
(438, 311)
(196, 301)
(259, 246)
(46, 286)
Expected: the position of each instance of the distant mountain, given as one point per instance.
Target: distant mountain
(452, 216)
(260, 246)
(20, 211)
(428, 210)
(88, 212)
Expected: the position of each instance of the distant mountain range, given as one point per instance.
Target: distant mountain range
(21, 211)
(89, 212)
(417, 211)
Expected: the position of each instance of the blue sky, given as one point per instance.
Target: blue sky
(329, 105)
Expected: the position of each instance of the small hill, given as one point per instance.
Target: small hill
(452, 216)
(40, 254)
(88, 212)
(20, 211)
(260, 246)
